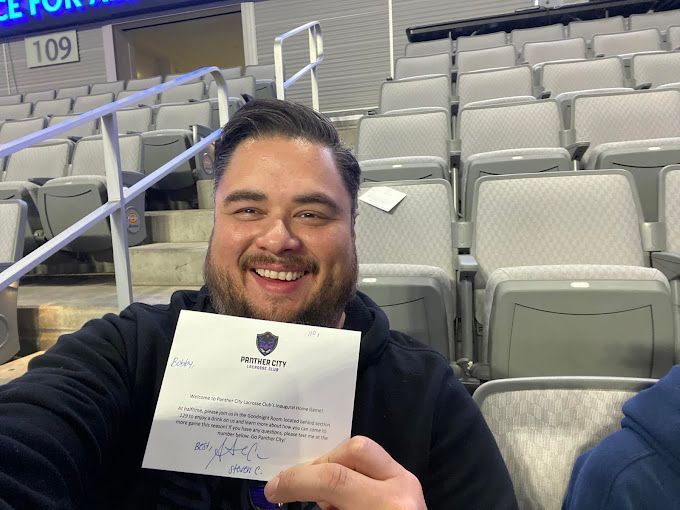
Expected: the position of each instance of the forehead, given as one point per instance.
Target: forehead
(275, 165)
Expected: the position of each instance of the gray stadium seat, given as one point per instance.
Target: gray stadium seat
(404, 146)
(73, 92)
(487, 58)
(173, 135)
(86, 129)
(134, 120)
(565, 49)
(494, 84)
(63, 201)
(520, 36)
(543, 424)
(45, 160)
(605, 45)
(673, 37)
(638, 131)
(143, 83)
(12, 226)
(260, 71)
(170, 77)
(563, 283)
(13, 99)
(236, 87)
(34, 97)
(419, 92)
(229, 73)
(112, 86)
(146, 101)
(587, 29)
(668, 261)
(420, 49)
(182, 93)
(408, 67)
(661, 20)
(86, 103)
(50, 107)
(656, 68)
(507, 139)
(414, 281)
(480, 42)
(15, 111)
(13, 129)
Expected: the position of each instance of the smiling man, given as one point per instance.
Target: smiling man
(73, 429)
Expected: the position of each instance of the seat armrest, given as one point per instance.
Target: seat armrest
(39, 180)
(467, 265)
(455, 104)
(454, 156)
(545, 94)
(577, 150)
(668, 263)
(643, 86)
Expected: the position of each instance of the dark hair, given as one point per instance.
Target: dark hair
(272, 117)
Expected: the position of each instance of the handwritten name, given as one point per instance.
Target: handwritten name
(247, 452)
(181, 363)
(240, 469)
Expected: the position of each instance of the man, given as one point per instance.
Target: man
(74, 428)
(637, 467)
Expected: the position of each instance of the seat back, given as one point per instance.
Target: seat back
(673, 36)
(143, 83)
(636, 115)
(627, 42)
(112, 86)
(15, 111)
(53, 107)
(509, 126)
(73, 92)
(587, 29)
(170, 77)
(86, 129)
(12, 229)
(480, 42)
(181, 116)
(13, 129)
(136, 120)
(46, 159)
(146, 101)
(656, 68)
(566, 49)
(406, 67)
(13, 99)
(419, 49)
(229, 73)
(559, 77)
(487, 58)
(182, 93)
(34, 97)
(661, 20)
(520, 36)
(590, 217)
(403, 135)
(422, 92)
(235, 87)
(669, 207)
(88, 155)
(87, 103)
(496, 83)
(260, 71)
(542, 424)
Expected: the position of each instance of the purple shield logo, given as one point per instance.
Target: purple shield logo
(266, 343)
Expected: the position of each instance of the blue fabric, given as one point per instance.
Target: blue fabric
(638, 467)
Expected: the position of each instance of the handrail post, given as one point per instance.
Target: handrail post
(279, 70)
(313, 55)
(114, 188)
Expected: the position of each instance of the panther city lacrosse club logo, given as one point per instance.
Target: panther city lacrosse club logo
(266, 343)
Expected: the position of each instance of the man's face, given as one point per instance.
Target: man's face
(282, 247)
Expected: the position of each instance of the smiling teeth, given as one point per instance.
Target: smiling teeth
(280, 275)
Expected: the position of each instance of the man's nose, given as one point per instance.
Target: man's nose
(278, 238)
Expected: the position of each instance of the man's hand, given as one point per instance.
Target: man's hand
(357, 475)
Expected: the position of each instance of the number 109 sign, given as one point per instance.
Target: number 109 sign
(51, 49)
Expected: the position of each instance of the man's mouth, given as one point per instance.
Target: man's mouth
(279, 275)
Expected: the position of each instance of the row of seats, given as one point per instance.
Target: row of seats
(563, 275)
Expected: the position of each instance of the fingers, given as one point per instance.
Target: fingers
(364, 456)
(335, 485)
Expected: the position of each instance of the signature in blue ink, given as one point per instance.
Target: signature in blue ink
(244, 469)
(249, 451)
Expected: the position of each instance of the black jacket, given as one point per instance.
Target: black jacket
(73, 429)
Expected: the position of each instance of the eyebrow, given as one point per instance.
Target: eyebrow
(318, 198)
(244, 195)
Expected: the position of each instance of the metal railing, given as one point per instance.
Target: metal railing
(313, 29)
(118, 197)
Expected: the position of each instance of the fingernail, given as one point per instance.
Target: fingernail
(270, 488)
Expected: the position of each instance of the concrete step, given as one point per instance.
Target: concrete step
(49, 307)
(187, 226)
(178, 264)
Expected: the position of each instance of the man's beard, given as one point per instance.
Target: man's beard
(323, 308)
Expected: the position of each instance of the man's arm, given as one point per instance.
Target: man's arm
(59, 423)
